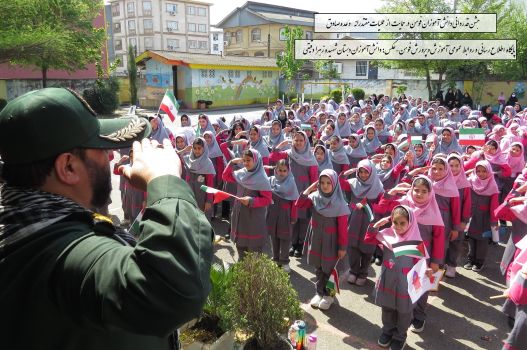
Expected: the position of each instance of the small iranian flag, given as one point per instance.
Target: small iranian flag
(134, 227)
(472, 137)
(413, 248)
(169, 105)
(333, 283)
(218, 195)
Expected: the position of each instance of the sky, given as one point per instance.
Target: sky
(222, 8)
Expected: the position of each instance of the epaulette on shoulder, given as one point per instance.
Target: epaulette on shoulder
(103, 226)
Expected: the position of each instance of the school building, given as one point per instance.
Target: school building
(200, 80)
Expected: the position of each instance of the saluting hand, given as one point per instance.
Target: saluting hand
(151, 162)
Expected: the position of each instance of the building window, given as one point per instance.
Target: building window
(133, 43)
(191, 27)
(130, 8)
(203, 45)
(147, 8)
(171, 8)
(282, 34)
(212, 73)
(131, 26)
(192, 44)
(232, 38)
(116, 10)
(121, 60)
(239, 36)
(215, 37)
(117, 27)
(237, 74)
(256, 34)
(309, 35)
(149, 43)
(361, 68)
(259, 54)
(172, 26)
(230, 74)
(118, 44)
(215, 47)
(202, 28)
(191, 10)
(270, 74)
(172, 44)
(203, 73)
(202, 12)
(148, 26)
(249, 73)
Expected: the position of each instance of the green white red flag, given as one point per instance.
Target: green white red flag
(333, 283)
(410, 248)
(218, 195)
(169, 105)
(472, 137)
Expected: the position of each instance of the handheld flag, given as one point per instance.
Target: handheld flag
(169, 105)
(368, 211)
(333, 283)
(218, 195)
(134, 227)
(472, 137)
(412, 248)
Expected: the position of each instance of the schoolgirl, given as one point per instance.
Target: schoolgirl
(248, 217)
(282, 214)
(326, 241)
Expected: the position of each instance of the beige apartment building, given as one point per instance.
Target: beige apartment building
(182, 26)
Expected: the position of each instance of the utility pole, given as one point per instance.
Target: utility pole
(269, 44)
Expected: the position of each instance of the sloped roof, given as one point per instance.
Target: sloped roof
(273, 13)
(199, 60)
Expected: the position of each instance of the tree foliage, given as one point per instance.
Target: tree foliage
(289, 66)
(132, 75)
(49, 34)
(326, 69)
(441, 67)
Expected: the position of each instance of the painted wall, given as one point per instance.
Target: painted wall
(223, 87)
(491, 91)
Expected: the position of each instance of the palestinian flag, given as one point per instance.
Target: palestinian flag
(218, 195)
(169, 105)
(333, 282)
(134, 228)
(472, 137)
(368, 211)
(414, 248)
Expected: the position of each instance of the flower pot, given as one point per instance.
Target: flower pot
(225, 342)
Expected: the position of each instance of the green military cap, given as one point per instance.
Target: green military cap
(44, 123)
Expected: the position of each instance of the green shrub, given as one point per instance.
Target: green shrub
(220, 278)
(261, 298)
(325, 97)
(336, 95)
(358, 93)
(103, 97)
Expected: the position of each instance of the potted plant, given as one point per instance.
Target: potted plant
(261, 300)
(211, 331)
(208, 104)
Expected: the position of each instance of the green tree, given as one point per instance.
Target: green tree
(427, 67)
(132, 75)
(326, 69)
(288, 64)
(48, 34)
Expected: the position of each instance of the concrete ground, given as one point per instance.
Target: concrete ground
(460, 316)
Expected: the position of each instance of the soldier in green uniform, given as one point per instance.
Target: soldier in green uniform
(69, 279)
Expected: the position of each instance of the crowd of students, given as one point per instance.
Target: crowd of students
(349, 181)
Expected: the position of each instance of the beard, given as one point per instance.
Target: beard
(101, 183)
